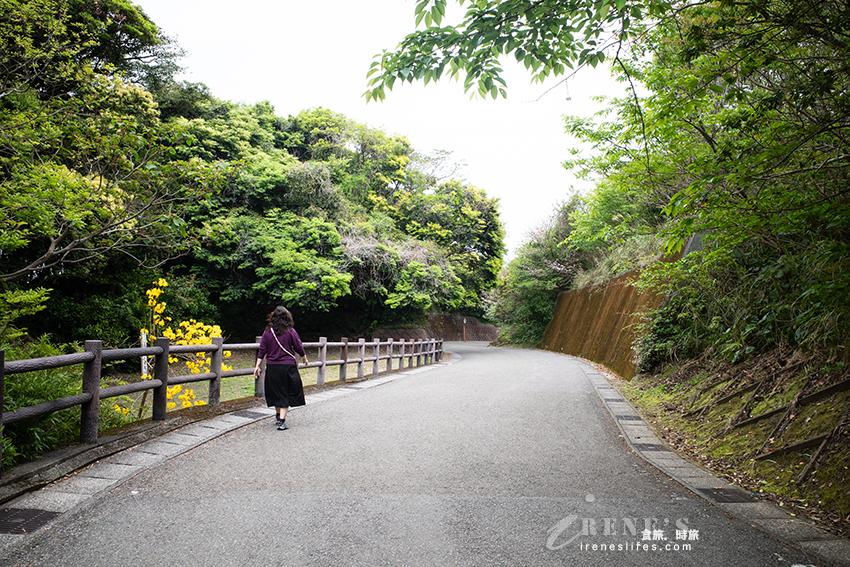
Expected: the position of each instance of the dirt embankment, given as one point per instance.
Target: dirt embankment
(598, 322)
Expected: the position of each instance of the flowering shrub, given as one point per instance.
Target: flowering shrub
(185, 397)
(190, 332)
(194, 332)
(121, 410)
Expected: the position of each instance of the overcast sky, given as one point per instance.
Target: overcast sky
(301, 55)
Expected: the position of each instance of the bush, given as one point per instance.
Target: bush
(747, 300)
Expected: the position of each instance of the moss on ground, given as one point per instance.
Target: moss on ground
(685, 403)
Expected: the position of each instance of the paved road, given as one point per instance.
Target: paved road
(504, 457)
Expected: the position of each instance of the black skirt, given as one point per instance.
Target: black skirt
(283, 386)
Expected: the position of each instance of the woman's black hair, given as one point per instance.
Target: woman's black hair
(280, 320)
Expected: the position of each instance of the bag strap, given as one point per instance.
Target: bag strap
(295, 358)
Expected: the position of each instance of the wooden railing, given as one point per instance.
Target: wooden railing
(410, 353)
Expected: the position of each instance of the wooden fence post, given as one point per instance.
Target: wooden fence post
(412, 353)
(2, 386)
(389, 355)
(419, 344)
(401, 354)
(344, 357)
(91, 385)
(260, 381)
(215, 368)
(361, 354)
(160, 372)
(323, 357)
(376, 353)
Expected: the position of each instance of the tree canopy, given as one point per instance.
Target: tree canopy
(548, 37)
(113, 174)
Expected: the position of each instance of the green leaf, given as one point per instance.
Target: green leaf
(421, 6)
(436, 15)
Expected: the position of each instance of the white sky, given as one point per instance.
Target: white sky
(301, 54)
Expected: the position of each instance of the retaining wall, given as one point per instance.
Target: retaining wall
(598, 322)
(448, 327)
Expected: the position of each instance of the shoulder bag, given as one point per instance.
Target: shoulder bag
(295, 358)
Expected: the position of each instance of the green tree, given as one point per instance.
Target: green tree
(86, 168)
(316, 134)
(275, 257)
(93, 184)
(379, 165)
(744, 135)
(406, 276)
(548, 37)
(464, 222)
(381, 195)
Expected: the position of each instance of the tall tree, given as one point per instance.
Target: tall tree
(86, 168)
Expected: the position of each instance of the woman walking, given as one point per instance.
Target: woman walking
(279, 344)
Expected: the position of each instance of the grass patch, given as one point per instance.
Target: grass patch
(815, 419)
(781, 394)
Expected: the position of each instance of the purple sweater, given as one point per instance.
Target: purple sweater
(269, 347)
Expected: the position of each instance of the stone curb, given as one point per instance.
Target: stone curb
(735, 501)
(144, 450)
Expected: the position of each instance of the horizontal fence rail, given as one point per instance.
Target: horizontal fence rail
(395, 354)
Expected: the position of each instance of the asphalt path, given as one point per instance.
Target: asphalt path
(505, 457)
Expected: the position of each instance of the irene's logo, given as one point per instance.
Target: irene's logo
(626, 534)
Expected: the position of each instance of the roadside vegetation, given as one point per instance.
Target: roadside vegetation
(774, 424)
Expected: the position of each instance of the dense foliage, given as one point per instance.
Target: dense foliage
(745, 134)
(112, 175)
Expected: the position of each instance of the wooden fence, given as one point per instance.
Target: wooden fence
(413, 352)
